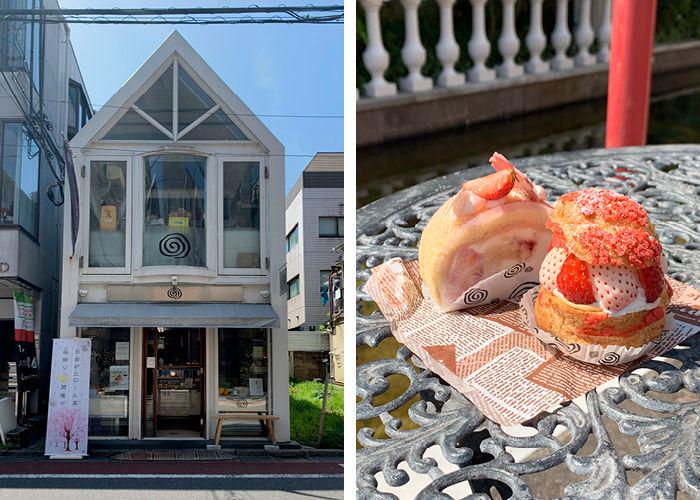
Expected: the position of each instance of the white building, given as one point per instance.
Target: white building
(314, 227)
(40, 76)
(175, 273)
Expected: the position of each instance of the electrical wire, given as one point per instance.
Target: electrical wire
(266, 115)
(254, 14)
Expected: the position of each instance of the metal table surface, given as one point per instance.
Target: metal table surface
(659, 409)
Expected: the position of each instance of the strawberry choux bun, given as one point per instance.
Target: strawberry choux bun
(601, 281)
(493, 223)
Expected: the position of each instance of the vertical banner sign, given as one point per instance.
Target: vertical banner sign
(69, 404)
(25, 350)
(74, 201)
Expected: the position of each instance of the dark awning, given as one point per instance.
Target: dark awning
(200, 315)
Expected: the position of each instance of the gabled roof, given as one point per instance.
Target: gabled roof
(175, 46)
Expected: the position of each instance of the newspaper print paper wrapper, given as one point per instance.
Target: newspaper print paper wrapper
(589, 353)
(507, 284)
(488, 353)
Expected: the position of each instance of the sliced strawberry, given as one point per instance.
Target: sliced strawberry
(614, 287)
(652, 281)
(551, 265)
(492, 186)
(523, 184)
(574, 282)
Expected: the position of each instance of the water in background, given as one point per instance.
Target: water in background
(382, 170)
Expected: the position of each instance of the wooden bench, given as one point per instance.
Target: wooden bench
(268, 419)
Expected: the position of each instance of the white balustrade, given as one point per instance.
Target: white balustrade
(584, 35)
(508, 43)
(447, 49)
(536, 40)
(561, 38)
(413, 52)
(603, 34)
(375, 56)
(479, 46)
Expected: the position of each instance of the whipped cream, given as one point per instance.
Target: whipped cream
(638, 304)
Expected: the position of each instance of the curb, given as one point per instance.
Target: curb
(108, 453)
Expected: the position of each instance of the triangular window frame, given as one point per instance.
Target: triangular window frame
(174, 134)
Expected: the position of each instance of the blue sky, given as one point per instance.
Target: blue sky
(274, 68)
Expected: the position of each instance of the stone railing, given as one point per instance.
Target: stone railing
(582, 34)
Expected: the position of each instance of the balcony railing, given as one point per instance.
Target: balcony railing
(569, 45)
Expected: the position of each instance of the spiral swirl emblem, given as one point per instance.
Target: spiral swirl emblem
(514, 270)
(475, 296)
(573, 348)
(175, 245)
(242, 403)
(518, 293)
(610, 358)
(175, 293)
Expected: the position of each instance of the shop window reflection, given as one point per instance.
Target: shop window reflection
(243, 378)
(109, 381)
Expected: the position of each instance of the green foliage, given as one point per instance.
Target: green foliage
(305, 400)
(676, 20)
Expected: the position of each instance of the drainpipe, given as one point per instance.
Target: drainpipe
(629, 81)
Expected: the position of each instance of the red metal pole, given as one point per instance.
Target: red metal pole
(629, 82)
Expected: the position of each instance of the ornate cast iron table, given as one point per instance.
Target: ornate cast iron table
(660, 408)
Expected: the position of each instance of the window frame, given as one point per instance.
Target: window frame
(286, 239)
(210, 210)
(289, 295)
(178, 136)
(84, 113)
(85, 214)
(262, 163)
(337, 232)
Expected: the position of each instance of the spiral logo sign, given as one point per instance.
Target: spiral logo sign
(610, 358)
(514, 270)
(175, 293)
(475, 296)
(175, 245)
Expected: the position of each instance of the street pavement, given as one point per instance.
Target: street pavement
(249, 478)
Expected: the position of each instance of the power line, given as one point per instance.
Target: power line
(268, 115)
(306, 14)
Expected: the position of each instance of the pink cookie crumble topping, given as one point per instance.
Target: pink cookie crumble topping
(640, 248)
(611, 206)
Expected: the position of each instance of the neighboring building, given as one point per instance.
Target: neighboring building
(314, 227)
(40, 77)
(175, 274)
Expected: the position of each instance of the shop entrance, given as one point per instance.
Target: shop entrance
(173, 392)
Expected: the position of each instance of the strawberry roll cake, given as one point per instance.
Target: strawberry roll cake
(602, 280)
(491, 224)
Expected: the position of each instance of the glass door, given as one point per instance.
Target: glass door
(174, 382)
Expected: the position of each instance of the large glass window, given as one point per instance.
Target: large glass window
(243, 365)
(174, 232)
(107, 214)
(200, 118)
(109, 381)
(293, 238)
(20, 41)
(330, 227)
(19, 180)
(241, 214)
